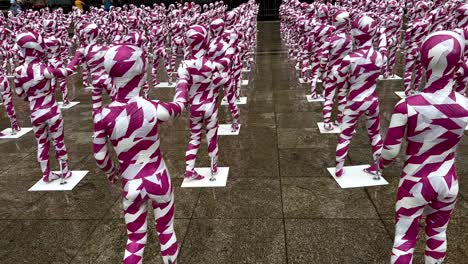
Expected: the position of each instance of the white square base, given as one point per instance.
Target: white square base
(7, 133)
(225, 130)
(165, 85)
(69, 105)
(221, 179)
(55, 185)
(335, 130)
(354, 177)
(245, 82)
(394, 77)
(89, 88)
(242, 101)
(301, 80)
(311, 100)
(246, 70)
(401, 94)
(10, 76)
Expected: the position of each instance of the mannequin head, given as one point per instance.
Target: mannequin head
(50, 26)
(126, 66)
(197, 39)
(217, 27)
(90, 33)
(231, 18)
(363, 28)
(30, 45)
(341, 20)
(441, 54)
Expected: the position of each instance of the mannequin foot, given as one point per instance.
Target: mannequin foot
(339, 173)
(314, 96)
(66, 101)
(328, 126)
(193, 175)
(371, 170)
(235, 126)
(214, 168)
(51, 176)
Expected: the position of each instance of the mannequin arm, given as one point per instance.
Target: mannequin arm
(101, 150)
(169, 111)
(395, 134)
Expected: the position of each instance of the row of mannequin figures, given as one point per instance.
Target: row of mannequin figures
(432, 121)
(214, 54)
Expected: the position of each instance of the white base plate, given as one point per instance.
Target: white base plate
(88, 88)
(225, 130)
(166, 85)
(301, 80)
(394, 77)
(401, 94)
(354, 177)
(221, 179)
(245, 82)
(242, 101)
(7, 133)
(70, 105)
(55, 185)
(311, 100)
(335, 130)
(246, 70)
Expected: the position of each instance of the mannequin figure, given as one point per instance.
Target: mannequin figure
(321, 32)
(433, 123)
(232, 37)
(54, 50)
(33, 84)
(5, 90)
(199, 75)
(336, 47)
(131, 124)
(93, 57)
(177, 29)
(157, 39)
(392, 21)
(358, 75)
(415, 33)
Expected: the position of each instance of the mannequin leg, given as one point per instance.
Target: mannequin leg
(305, 65)
(409, 210)
(64, 88)
(211, 125)
(85, 72)
(391, 60)
(196, 127)
(172, 62)
(7, 101)
(350, 119)
(154, 70)
(41, 134)
(314, 75)
(164, 211)
(329, 94)
(373, 131)
(231, 98)
(418, 74)
(409, 67)
(135, 212)
(56, 132)
(438, 215)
